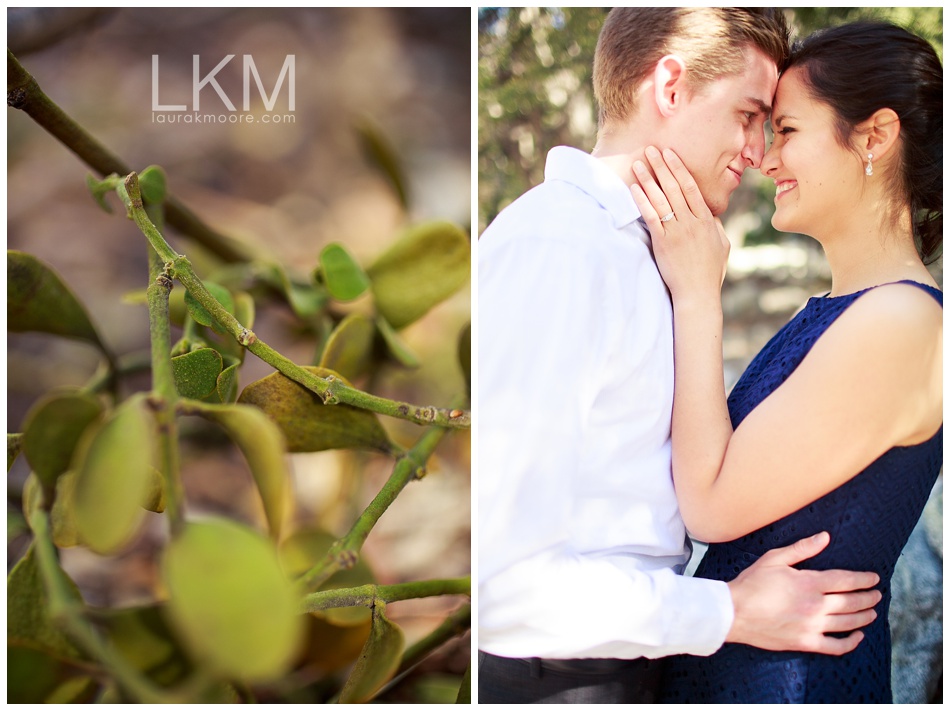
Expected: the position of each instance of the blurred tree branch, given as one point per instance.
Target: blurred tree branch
(25, 94)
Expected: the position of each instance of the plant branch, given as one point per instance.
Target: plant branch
(455, 624)
(345, 552)
(65, 611)
(25, 94)
(163, 385)
(331, 390)
(370, 595)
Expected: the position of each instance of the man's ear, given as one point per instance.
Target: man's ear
(878, 134)
(669, 83)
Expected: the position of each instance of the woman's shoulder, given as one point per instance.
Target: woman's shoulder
(899, 308)
(892, 336)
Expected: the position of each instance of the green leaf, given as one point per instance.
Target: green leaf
(465, 355)
(229, 601)
(333, 647)
(34, 677)
(79, 689)
(152, 184)
(227, 384)
(14, 445)
(38, 300)
(52, 430)
(200, 314)
(378, 661)
(262, 443)
(63, 514)
(395, 345)
(142, 638)
(379, 152)
(305, 299)
(155, 492)
(196, 373)
(28, 620)
(244, 309)
(427, 264)
(308, 424)
(465, 690)
(114, 466)
(345, 279)
(349, 348)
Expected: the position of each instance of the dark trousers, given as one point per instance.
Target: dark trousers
(567, 681)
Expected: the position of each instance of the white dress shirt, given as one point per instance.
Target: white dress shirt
(581, 543)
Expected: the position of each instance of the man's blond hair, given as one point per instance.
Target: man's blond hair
(710, 40)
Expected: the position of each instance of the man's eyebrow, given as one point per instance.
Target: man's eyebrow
(763, 107)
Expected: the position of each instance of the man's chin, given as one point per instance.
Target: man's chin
(717, 207)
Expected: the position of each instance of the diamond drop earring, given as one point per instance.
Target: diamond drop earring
(869, 169)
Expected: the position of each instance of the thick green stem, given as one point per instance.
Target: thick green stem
(332, 390)
(25, 94)
(345, 552)
(67, 612)
(163, 386)
(369, 595)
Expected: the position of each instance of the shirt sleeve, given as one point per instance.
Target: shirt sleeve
(546, 319)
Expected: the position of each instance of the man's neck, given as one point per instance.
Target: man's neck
(618, 148)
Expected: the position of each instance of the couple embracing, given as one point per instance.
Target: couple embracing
(598, 285)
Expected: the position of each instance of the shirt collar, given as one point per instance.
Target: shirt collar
(594, 178)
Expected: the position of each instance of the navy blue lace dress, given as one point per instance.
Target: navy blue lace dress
(869, 518)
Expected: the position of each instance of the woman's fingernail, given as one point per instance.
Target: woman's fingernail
(652, 152)
(639, 167)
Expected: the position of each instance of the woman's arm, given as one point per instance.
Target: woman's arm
(871, 382)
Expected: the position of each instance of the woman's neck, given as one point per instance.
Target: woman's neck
(869, 253)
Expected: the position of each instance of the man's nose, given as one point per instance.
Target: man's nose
(754, 151)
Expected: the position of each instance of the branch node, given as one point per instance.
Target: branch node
(155, 402)
(346, 559)
(16, 98)
(247, 337)
(330, 397)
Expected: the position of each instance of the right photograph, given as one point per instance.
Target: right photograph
(709, 355)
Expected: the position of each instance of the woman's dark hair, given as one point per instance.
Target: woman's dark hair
(861, 67)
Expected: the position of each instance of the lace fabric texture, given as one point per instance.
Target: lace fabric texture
(869, 518)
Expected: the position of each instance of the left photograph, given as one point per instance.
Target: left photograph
(238, 355)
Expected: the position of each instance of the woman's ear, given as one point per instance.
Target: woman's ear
(879, 133)
(669, 83)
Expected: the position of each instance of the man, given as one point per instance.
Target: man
(581, 544)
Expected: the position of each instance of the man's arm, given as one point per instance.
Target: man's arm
(548, 322)
(781, 608)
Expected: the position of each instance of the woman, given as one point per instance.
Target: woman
(837, 423)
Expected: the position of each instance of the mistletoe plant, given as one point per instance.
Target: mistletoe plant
(284, 614)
